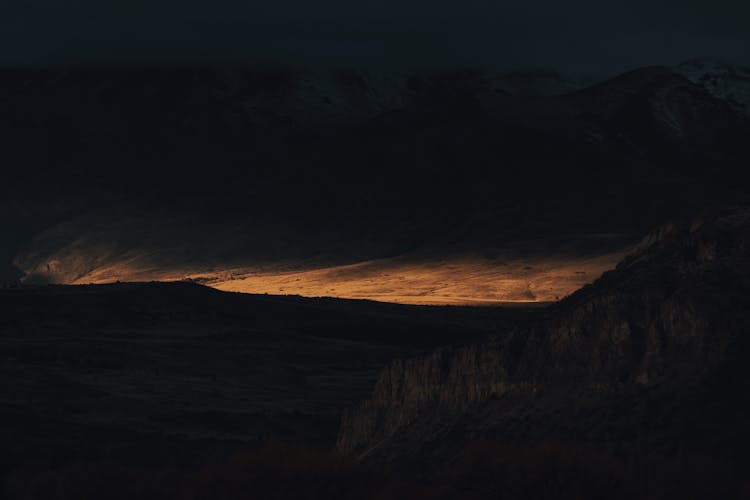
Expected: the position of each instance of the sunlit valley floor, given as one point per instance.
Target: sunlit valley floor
(462, 280)
(459, 281)
(464, 266)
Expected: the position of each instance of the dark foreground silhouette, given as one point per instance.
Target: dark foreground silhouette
(487, 470)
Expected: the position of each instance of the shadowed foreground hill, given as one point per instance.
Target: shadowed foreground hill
(163, 372)
(653, 355)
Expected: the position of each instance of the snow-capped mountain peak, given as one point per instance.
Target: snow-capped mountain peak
(725, 81)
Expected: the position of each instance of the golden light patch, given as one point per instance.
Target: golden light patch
(464, 281)
(461, 281)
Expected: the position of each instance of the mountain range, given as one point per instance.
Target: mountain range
(121, 174)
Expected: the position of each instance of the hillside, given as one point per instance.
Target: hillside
(161, 372)
(652, 355)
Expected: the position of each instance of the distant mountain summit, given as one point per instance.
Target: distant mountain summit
(725, 81)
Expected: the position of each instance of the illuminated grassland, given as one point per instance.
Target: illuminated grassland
(474, 263)
(458, 280)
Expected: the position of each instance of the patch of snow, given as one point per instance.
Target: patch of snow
(726, 81)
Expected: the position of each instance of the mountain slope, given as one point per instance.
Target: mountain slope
(653, 353)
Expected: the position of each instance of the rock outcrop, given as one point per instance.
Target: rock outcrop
(654, 352)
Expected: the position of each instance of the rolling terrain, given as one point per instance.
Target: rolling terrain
(160, 372)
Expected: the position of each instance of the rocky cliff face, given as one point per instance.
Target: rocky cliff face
(653, 352)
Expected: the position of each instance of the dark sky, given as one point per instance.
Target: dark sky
(580, 36)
